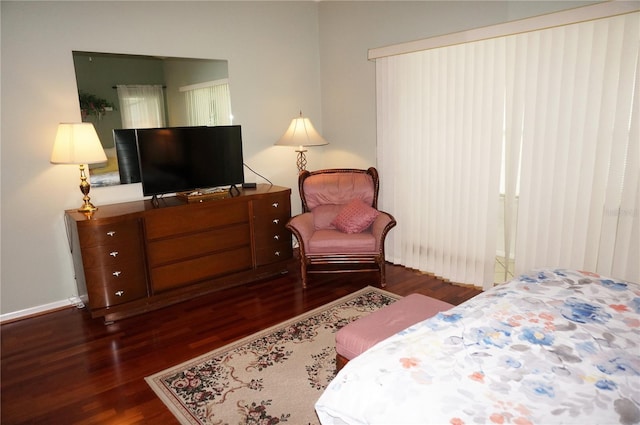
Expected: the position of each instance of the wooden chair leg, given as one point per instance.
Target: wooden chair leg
(303, 273)
(383, 277)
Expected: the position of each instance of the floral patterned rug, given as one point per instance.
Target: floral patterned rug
(273, 376)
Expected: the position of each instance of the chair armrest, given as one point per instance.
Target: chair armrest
(380, 227)
(302, 227)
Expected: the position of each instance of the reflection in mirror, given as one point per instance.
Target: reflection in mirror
(118, 91)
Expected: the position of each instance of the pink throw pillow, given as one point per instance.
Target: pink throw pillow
(355, 217)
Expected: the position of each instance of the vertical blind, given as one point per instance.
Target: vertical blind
(438, 180)
(562, 102)
(579, 135)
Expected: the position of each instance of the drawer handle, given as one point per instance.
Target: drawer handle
(276, 237)
(277, 253)
(117, 274)
(111, 233)
(275, 205)
(276, 220)
(114, 254)
(119, 293)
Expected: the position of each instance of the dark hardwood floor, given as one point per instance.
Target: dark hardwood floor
(66, 368)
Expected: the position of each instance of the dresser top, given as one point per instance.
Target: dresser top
(133, 207)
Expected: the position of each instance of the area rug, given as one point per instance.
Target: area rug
(273, 376)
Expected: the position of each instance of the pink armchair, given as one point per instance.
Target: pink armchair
(340, 228)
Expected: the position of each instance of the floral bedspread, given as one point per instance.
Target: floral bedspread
(553, 346)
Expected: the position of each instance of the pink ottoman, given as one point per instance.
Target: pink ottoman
(360, 335)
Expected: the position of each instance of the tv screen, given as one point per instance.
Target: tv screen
(180, 159)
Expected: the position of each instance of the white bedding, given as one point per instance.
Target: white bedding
(555, 346)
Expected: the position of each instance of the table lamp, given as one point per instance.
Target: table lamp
(301, 133)
(78, 143)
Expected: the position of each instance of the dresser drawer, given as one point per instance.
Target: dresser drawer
(273, 224)
(197, 244)
(123, 231)
(113, 275)
(111, 255)
(194, 218)
(202, 268)
(266, 235)
(272, 207)
(273, 253)
(107, 287)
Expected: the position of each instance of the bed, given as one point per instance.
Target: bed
(549, 347)
(105, 174)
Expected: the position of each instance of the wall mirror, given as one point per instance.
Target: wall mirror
(122, 91)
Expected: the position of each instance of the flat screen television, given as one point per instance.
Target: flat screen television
(182, 159)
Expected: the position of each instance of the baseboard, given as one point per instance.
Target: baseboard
(37, 310)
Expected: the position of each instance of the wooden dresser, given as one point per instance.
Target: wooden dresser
(134, 257)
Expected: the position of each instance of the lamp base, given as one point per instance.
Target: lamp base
(301, 161)
(87, 206)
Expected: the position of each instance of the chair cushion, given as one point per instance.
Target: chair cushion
(355, 217)
(364, 333)
(334, 241)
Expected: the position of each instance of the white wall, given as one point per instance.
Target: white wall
(273, 67)
(282, 56)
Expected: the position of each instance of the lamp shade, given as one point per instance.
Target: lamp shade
(301, 133)
(77, 143)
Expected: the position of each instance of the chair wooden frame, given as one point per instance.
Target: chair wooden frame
(341, 262)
